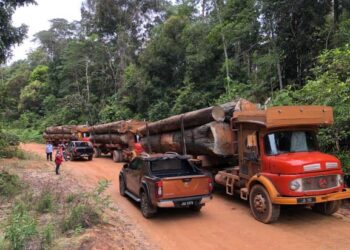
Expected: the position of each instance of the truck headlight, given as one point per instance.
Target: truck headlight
(295, 185)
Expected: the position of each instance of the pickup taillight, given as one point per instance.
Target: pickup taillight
(159, 189)
(210, 184)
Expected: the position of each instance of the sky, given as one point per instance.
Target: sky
(37, 17)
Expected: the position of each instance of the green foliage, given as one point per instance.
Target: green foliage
(21, 227)
(8, 144)
(88, 209)
(330, 87)
(48, 235)
(10, 184)
(46, 202)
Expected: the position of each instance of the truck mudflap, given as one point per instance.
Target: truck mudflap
(276, 198)
(344, 194)
(184, 202)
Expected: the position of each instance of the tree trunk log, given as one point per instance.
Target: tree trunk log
(190, 120)
(214, 139)
(55, 137)
(124, 139)
(65, 129)
(117, 127)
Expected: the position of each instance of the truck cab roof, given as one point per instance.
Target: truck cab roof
(283, 116)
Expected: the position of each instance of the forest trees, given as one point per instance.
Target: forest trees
(153, 58)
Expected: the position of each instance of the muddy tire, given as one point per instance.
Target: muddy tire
(97, 152)
(117, 156)
(147, 209)
(261, 206)
(122, 187)
(327, 208)
(196, 208)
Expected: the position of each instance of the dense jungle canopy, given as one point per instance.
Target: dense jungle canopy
(148, 59)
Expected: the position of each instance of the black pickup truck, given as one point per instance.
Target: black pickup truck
(80, 149)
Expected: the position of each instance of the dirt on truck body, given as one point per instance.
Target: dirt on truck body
(168, 180)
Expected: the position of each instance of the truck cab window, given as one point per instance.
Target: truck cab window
(290, 142)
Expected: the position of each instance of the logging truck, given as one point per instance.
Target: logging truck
(115, 138)
(273, 156)
(66, 133)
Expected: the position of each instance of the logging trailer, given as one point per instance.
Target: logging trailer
(279, 162)
(268, 157)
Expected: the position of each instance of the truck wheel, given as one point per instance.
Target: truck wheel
(261, 206)
(196, 208)
(327, 208)
(90, 158)
(122, 186)
(97, 152)
(147, 209)
(117, 156)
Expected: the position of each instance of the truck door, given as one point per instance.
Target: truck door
(133, 176)
(249, 154)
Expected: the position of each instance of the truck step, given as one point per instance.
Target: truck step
(230, 182)
(244, 193)
(132, 196)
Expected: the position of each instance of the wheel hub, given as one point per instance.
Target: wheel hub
(260, 203)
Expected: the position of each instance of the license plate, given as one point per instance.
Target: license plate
(306, 200)
(187, 203)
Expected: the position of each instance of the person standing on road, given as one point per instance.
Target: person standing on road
(58, 161)
(49, 149)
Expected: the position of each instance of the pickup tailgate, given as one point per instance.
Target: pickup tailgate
(185, 186)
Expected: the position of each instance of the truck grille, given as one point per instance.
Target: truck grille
(319, 182)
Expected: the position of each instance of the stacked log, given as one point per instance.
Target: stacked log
(120, 132)
(201, 132)
(60, 133)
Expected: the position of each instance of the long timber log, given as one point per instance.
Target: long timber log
(125, 138)
(214, 138)
(189, 120)
(117, 127)
(65, 129)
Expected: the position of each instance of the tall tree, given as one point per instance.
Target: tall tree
(10, 35)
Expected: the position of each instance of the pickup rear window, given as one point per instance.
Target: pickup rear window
(172, 167)
(82, 144)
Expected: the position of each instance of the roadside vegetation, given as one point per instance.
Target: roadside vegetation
(34, 218)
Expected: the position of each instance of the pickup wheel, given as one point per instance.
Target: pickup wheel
(327, 208)
(196, 208)
(261, 206)
(147, 209)
(90, 158)
(122, 187)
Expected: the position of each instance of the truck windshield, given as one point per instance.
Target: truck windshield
(290, 142)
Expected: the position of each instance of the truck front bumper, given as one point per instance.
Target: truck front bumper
(183, 202)
(344, 194)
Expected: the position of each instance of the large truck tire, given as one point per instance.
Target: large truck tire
(117, 156)
(261, 206)
(327, 208)
(147, 209)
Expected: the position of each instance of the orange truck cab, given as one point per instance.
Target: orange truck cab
(280, 162)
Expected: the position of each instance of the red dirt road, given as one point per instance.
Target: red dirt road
(224, 223)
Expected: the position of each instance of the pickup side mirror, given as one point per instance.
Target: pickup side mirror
(126, 165)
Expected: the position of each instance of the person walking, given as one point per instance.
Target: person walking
(49, 149)
(58, 161)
